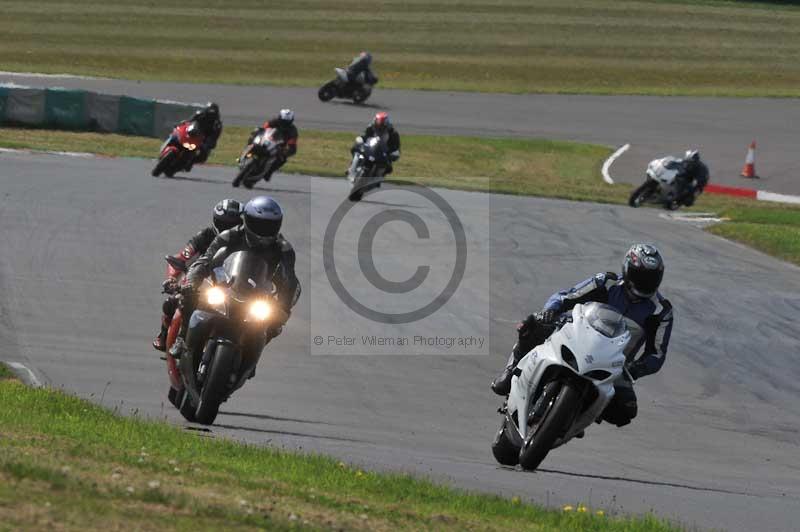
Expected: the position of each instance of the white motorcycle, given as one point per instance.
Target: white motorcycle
(563, 385)
(662, 185)
(258, 158)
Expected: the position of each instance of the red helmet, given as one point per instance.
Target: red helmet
(381, 121)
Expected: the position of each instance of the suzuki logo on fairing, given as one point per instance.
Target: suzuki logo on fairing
(589, 359)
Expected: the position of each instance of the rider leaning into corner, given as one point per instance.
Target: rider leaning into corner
(284, 123)
(692, 179)
(227, 214)
(259, 232)
(382, 127)
(210, 124)
(635, 296)
(359, 72)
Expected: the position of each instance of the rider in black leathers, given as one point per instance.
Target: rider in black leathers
(284, 123)
(635, 296)
(359, 72)
(692, 179)
(210, 124)
(227, 214)
(381, 126)
(260, 231)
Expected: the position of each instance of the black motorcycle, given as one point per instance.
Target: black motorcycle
(342, 87)
(235, 318)
(259, 157)
(370, 162)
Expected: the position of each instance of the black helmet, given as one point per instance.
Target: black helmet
(212, 109)
(227, 214)
(691, 158)
(366, 55)
(642, 270)
(262, 221)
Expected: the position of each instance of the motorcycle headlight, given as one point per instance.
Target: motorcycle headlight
(259, 310)
(215, 296)
(189, 146)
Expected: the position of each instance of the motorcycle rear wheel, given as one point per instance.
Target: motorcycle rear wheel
(215, 388)
(554, 421)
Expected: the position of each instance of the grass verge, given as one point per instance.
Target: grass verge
(540, 167)
(66, 463)
(565, 170)
(775, 231)
(660, 47)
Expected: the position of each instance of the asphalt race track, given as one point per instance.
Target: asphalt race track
(654, 126)
(716, 440)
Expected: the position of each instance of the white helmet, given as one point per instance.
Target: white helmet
(287, 115)
(692, 155)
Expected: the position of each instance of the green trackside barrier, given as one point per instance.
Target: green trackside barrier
(136, 117)
(66, 109)
(3, 100)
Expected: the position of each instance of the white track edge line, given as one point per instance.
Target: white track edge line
(607, 164)
(33, 381)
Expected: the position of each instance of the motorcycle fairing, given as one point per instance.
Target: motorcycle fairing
(591, 350)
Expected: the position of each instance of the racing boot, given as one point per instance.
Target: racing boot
(160, 341)
(501, 385)
(178, 348)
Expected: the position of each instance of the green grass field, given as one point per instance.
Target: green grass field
(67, 464)
(584, 46)
(565, 170)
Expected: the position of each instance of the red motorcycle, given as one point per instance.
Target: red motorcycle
(176, 269)
(180, 149)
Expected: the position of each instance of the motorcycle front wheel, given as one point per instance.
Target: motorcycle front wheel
(163, 164)
(244, 171)
(504, 451)
(641, 193)
(327, 92)
(555, 419)
(215, 387)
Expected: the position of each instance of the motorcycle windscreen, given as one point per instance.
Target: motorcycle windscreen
(606, 320)
(374, 147)
(247, 272)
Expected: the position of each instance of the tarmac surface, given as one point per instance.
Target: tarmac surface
(716, 441)
(722, 128)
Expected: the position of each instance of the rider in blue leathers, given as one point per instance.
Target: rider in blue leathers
(635, 296)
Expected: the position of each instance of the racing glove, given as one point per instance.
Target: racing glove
(170, 286)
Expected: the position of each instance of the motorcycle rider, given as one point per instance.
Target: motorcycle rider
(227, 214)
(260, 232)
(635, 296)
(359, 72)
(692, 179)
(284, 123)
(210, 124)
(381, 126)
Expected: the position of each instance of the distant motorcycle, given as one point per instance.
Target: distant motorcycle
(235, 315)
(662, 185)
(371, 160)
(180, 149)
(258, 158)
(562, 386)
(342, 87)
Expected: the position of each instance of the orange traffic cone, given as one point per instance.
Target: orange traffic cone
(749, 169)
